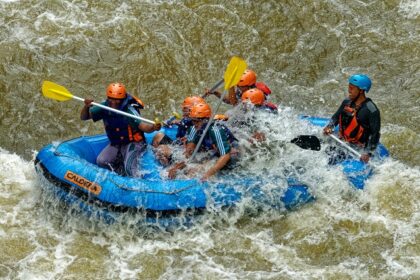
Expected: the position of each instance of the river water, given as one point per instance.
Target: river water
(166, 50)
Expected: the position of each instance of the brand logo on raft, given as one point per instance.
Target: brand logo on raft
(83, 182)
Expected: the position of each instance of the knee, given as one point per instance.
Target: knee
(100, 161)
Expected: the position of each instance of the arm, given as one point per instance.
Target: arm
(85, 113)
(373, 141)
(174, 169)
(146, 127)
(328, 129)
(220, 163)
(189, 149)
(375, 127)
(229, 99)
(181, 165)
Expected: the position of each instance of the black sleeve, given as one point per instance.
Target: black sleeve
(334, 119)
(375, 127)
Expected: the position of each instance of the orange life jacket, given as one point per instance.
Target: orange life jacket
(353, 130)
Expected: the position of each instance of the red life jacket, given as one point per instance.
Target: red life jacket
(271, 105)
(353, 131)
(263, 87)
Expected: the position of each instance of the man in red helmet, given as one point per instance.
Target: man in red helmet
(126, 135)
(217, 142)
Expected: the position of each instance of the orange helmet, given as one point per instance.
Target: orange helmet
(200, 110)
(191, 100)
(248, 78)
(256, 96)
(116, 91)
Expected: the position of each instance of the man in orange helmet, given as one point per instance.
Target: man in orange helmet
(126, 135)
(217, 141)
(161, 142)
(253, 102)
(248, 81)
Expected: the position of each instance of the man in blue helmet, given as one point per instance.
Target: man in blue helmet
(358, 117)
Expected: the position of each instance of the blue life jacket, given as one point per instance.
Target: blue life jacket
(121, 129)
(183, 127)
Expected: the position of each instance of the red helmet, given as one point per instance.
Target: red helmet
(200, 110)
(116, 91)
(191, 100)
(256, 96)
(248, 78)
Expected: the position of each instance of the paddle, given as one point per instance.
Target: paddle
(233, 73)
(216, 86)
(57, 92)
(350, 149)
(311, 142)
(307, 142)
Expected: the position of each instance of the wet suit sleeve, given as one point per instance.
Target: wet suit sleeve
(334, 119)
(375, 127)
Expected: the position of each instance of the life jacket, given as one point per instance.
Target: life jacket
(350, 129)
(220, 117)
(118, 128)
(259, 85)
(263, 87)
(270, 106)
(183, 126)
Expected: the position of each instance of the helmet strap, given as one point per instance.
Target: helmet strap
(358, 97)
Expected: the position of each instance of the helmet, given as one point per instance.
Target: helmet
(116, 90)
(200, 110)
(191, 100)
(248, 78)
(361, 81)
(256, 96)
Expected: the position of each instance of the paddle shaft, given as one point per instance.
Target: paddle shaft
(208, 125)
(353, 151)
(216, 86)
(115, 111)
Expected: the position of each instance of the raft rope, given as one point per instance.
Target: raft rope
(124, 187)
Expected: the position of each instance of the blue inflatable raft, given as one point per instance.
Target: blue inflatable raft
(69, 172)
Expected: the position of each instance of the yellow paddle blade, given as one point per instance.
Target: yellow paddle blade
(177, 115)
(55, 91)
(234, 71)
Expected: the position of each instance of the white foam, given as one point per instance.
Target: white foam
(15, 173)
(410, 8)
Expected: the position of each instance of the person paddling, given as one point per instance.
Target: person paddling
(358, 119)
(247, 81)
(163, 144)
(216, 141)
(248, 120)
(126, 135)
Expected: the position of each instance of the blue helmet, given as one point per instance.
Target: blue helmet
(361, 81)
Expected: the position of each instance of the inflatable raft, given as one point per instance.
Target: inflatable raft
(68, 171)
